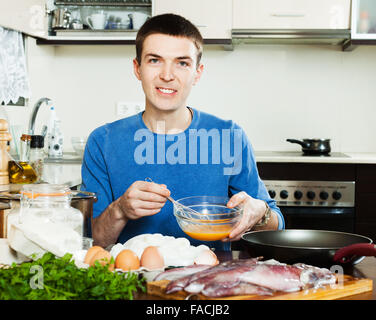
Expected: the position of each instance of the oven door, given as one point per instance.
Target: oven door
(322, 218)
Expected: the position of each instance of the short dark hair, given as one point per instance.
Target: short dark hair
(169, 24)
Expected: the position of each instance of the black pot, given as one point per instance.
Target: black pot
(313, 146)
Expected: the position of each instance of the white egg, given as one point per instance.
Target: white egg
(175, 251)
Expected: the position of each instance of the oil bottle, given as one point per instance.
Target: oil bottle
(27, 173)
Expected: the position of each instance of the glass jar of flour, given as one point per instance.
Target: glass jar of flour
(45, 220)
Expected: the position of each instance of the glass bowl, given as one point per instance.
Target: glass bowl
(78, 144)
(214, 220)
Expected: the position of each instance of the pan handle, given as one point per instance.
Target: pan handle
(302, 143)
(345, 254)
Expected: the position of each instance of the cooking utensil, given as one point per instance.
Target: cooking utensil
(316, 247)
(313, 146)
(186, 210)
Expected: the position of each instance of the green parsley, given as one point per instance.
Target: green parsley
(52, 278)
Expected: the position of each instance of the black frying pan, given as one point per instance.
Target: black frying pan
(313, 146)
(315, 247)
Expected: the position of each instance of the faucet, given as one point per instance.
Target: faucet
(35, 112)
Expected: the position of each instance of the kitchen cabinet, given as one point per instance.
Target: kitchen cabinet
(291, 14)
(27, 16)
(35, 18)
(212, 17)
(363, 24)
(291, 21)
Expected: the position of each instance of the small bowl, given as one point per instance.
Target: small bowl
(214, 220)
(78, 144)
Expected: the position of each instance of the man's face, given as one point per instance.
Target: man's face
(168, 71)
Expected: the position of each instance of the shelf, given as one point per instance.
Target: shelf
(70, 41)
(351, 44)
(104, 4)
(227, 43)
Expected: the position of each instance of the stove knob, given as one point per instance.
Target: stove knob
(324, 195)
(336, 195)
(311, 195)
(284, 194)
(272, 194)
(298, 194)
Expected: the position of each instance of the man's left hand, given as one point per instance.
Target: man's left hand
(253, 211)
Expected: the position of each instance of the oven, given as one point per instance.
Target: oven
(319, 205)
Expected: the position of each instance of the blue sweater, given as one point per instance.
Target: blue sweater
(211, 157)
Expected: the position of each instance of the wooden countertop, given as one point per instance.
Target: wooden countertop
(365, 269)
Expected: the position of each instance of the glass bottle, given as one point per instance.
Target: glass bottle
(27, 173)
(37, 155)
(25, 147)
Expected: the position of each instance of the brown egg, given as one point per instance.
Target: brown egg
(127, 260)
(151, 258)
(91, 252)
(206, 257)
(104, 258)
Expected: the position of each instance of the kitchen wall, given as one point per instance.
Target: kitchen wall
(273, 91)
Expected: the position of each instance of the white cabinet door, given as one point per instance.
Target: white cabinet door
(291, 14)
(27, 16)
(212, 17)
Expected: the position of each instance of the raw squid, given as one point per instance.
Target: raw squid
(288, 278)
(246, 276)
(181, 283)
(224, 278)
(275, 277)
(217, 290)
(177, 273)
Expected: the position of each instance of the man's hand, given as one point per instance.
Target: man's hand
(143, 199)
(253, 211)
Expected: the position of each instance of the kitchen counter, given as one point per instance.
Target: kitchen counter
(296, 156)
(70, 172)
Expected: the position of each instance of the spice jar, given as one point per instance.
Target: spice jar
(46, 219)
(36, 159)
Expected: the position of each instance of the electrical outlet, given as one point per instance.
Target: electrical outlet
(128, 108)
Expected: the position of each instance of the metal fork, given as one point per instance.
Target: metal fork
(185, 209)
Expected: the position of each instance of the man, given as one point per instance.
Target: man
(184, 151)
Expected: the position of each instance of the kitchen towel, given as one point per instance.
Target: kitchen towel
(14, 82)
